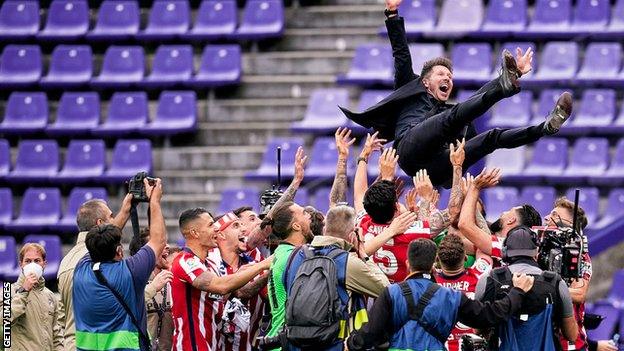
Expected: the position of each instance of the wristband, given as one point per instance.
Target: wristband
(362, 159)
(389, 13)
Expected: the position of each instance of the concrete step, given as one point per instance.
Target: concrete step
(239, 133)
(335, 16)
(282, 86)
(339, 39)
(204, 181)
(174, 204)
(207, 157)
(257, 110)
(298, 62)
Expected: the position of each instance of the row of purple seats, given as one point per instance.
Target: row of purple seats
(611, 309)
(588, 163)
(122, 66)
(41, 209)
(473, 63)
(506, 18)
(9, 267)
(119, 20)
(38, 161)
(78, 113)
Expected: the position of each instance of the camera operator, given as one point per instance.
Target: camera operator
(546, 309)
(562, 216)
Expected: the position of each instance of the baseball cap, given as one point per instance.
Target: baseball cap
(521, 241)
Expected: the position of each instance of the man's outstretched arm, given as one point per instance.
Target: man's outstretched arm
(338, 191)
(403, 72)
(360, 183)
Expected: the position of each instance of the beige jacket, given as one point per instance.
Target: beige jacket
(154, 302)
(65, 286)
(35, 319)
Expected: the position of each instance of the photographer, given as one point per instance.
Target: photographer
(546, 309)
(561, 217)
(108, 291)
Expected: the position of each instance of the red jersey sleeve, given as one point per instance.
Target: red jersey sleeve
(187, 267)
(497, 248)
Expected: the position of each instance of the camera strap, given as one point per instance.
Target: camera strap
(415, 311)
(134, 218)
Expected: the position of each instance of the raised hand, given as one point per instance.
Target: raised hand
(154, 190)
(372, 144)
(488, 178)
(393, 4)
(387, 164)
(457, 154)
(161, 279)
(30, 281)
(522, 281)
(524, 60)
(343, 141)
(410, 200)
(435, 199)
(403, 221)
(300, 162)
(423, 185)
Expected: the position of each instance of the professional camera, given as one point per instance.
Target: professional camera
(271, 342)
(560, 251)
(137, 188)
(268, 199)
(472, 342)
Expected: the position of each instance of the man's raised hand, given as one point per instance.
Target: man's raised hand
(372, 144)
(387, 164)
(393, 4)
(423, 185)
(300, 162)
(457, 154)
(524, 60)
(402, 222)
(487, 179)
(343, 141)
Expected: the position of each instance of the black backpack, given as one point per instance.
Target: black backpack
(313, 308)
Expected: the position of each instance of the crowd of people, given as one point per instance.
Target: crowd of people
(402, 274)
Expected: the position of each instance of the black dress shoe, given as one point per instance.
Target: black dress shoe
(509, 74)
(559, 114)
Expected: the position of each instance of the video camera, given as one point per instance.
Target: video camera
(136, 187)
(473, 342)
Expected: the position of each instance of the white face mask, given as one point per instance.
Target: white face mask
(33, 268)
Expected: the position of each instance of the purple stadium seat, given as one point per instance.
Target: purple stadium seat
(220, 65)
(611, 316)
(558, 62)
(589, 200)
(372, 64)
(322, 115)
(546, 103)
(37, 160)
(54, 253)
(459, 17)
(268, 168)
(5, 158)
(127, 113)
(472, 63)
(323, 159)
(590, 157)
(116, 20)
(591, 16)
(550, 157)
(167, 19)
(173, 64)
(499, 199)
(85, 160)
(20, 65)
(77, 197)
(421, 53)
(616, 26)
(617, 293)
(504, 17)
(19, 19)
(597, 110)
(614, 209)
(40, 208)
(602, 62)
(129, 157)
(215, 19)
(510, 161)
(233, 198)
(77, 114)
(614, 176)
(368, 98)
(25, 113)
(262, 19)
(541, 197)
(419, 17)
(302, 197)
(6, 206)
(511, 47)
(67, 19)
(512, 112)
(550, 17)
(70, 65)
(9, 267)
(320, 200)
(123, 66)
(176, 113)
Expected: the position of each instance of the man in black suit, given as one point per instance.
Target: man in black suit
(421, 123)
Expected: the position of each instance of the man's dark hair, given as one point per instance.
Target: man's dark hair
(280, 220)
(438, 61)
(529, 216)
(581, 217)
(102, 242)
(242, 209)
(88, 214)
(451, 252)
(138, 242)
(421, 255)
(191, 214)
(317, 220)
(380, 201)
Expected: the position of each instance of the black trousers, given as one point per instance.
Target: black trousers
(425, 145)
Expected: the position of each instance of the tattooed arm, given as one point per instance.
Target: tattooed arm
(258, 235)
(457, 156)
(252, 288)
(338, 191)
(360, 183)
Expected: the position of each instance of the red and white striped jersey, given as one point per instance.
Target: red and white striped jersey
(466, 282)
(196, 314)
(392, 255)
(497, 250)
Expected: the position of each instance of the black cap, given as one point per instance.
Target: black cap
(521, 241)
